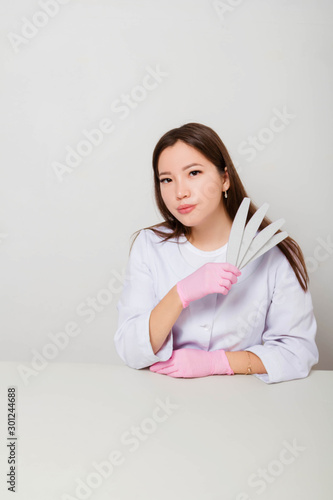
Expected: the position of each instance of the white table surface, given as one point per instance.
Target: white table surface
(221, 437)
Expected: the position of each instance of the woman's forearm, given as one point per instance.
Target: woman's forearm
(239, 362)
(165, 314)
(163, 317)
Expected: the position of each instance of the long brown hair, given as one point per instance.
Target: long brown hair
(205, 140)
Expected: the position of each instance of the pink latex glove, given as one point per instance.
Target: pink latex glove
(191, 363)
(212, 277)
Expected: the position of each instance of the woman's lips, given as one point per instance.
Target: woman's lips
(186, 209)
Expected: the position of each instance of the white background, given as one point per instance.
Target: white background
(64, 239)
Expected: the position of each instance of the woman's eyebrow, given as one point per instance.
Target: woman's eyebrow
(184, 168)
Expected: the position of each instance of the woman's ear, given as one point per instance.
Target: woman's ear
(226, 180)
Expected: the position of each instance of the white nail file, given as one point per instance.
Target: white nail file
(236, 233)
(274, 240)
(259, 241)
(250, 231)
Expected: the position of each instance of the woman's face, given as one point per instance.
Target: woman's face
(189, 178)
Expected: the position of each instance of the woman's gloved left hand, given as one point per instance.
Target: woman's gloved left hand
(191, 363)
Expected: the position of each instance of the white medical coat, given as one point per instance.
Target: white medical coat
(266, 312)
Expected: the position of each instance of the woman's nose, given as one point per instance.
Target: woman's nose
(182, 190)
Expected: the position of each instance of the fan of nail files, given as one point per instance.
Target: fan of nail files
(244, 245)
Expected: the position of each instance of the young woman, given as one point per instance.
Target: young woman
(184, 311)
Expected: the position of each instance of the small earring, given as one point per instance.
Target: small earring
(225, 194)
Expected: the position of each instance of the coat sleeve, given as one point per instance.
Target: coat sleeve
(137, 300)
(288, 349)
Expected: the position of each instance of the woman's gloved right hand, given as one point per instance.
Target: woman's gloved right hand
(212, 277)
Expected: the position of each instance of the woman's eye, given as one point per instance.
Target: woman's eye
(167, 178)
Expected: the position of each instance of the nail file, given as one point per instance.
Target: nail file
(236, 233)
(250, 231)
(274, 240)
(261, 238)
